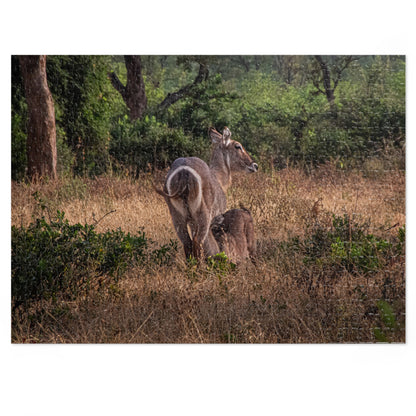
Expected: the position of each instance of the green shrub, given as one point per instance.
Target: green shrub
(19, 155)
(348, 245)
(54, 257)
(363, 256)
(220, 264)
(387, 323)
(85, 104)
(148, 142)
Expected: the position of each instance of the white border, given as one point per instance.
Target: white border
(289, 379)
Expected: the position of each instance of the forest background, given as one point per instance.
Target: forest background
(287, 110)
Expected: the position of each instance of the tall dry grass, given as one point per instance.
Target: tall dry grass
(280, 300)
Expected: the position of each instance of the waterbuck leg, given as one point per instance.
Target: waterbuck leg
(209, 246)
(203, 238)
(181, 230)
(183, 235)
(196, 248)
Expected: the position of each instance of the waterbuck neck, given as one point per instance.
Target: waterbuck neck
(220, 165)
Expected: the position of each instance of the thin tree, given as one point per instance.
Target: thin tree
(41, 137)
(329, 75)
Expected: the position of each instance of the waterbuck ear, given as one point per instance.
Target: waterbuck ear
(226, 136)
(215, 136)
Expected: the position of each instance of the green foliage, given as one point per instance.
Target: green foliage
(401, 245)
(53, 257)
(288, 122)
(220, 264)
(19, 156)
(364, 256)
(217, 266)
(372, 110)
(66, 159)
(19, 117)
(388, 322)
(347, 245)
(209, 104)
(85, 104)
(271, 104)
(149, 143)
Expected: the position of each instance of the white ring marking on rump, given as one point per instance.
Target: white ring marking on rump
(193, 204)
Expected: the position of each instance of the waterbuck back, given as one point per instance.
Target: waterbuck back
(195, 192)
(234, 234)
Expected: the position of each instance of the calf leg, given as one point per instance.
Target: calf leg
(210, 245)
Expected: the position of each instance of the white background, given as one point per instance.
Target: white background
(195, 379)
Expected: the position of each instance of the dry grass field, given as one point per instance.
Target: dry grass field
(284, 298)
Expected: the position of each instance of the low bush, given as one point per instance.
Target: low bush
(348, 245)
(53, 257)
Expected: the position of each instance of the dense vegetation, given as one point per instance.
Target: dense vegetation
(53, 258)
(277, 106)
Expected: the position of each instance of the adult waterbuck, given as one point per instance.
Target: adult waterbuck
(234, 234)
(195, 192)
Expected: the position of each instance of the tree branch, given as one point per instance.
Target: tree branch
(117, 84)
(173, 97)
(347, 62)
(316, 85)
(98, 221)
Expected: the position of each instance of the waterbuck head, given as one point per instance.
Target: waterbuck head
(230, 153)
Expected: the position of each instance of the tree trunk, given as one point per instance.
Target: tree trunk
(41, 137)
(326, 75)
(133, 93)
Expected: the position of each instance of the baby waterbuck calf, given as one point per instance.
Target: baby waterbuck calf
(195, 192)
(234, 234)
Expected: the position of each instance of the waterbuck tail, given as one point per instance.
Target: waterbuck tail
(184, 187)
(163, 193)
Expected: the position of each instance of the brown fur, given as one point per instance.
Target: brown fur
(195, 192)
(234, 233)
